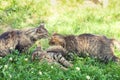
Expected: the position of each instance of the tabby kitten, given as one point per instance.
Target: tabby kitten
(91, 45)
(52, 55)
(29, 37)
(20, 40)
(8, 42)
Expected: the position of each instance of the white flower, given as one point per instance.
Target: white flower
(88, 77)
(32, 68)
(77, 68)
(11, 48)
(0, 57)
(0, 67)
(10, 59)
(10, 75)
(6, 66)
(26, 59)
(40, 73)
(52, 67)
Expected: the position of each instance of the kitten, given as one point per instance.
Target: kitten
(54, 54)
(91, 45)
(29, 37)
(20, 40)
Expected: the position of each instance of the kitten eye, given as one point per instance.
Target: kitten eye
(38, 30)
(55, 38)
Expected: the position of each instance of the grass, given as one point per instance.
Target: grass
(65, 17)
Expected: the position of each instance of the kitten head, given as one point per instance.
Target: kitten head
(37, 33)
(57, 39)
(37, 53)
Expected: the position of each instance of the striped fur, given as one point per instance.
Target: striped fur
(20, 40)
(52, 55)
(87, 45)
(29, 37)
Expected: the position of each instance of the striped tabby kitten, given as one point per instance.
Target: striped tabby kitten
(29, 37)
(20, 40)
(52, 55)
(87, 45)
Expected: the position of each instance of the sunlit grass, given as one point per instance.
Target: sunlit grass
(64, 17)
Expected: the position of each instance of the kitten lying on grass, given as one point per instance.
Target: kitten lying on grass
(53, 55)
(91, 45)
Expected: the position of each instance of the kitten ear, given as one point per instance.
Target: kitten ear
(57, 34)
(42, 25)
(54, 33)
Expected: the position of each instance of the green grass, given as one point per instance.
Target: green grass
(65, 17)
